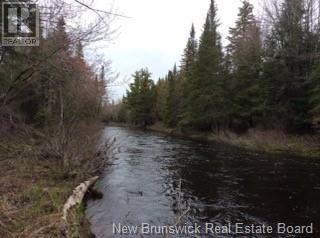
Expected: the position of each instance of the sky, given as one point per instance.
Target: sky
(156, 33)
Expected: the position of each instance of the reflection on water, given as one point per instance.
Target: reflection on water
(220, 185)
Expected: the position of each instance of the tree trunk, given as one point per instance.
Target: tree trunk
(61, 123)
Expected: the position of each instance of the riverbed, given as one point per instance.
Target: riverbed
(160, 181)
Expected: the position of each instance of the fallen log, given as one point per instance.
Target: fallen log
(77, 196)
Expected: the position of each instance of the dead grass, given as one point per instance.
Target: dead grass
(37, 178)
(273, 141)
(28, 201)
(270, 141)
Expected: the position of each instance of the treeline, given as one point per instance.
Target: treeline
(51, 96)
(51, 85)
(267, 76)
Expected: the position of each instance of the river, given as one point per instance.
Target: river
(156, 179)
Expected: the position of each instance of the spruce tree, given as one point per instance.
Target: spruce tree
(161, 99)
(245, 61)
(140, 98)
(188, 64)
(173, 97)
(315, 96)
(288, 48)
(189, 55)
(206, 100)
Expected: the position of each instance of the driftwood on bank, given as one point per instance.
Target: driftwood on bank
(77, 197)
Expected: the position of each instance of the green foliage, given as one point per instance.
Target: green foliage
(161, 99)
(257, 80)
(41, 117)
(315, 96)
(45, 201)
(287, 67)
(205, 104)
(122, 114)
(173, 97)
(189, 55)
(245, 59)
(140, 99)
(188, 67)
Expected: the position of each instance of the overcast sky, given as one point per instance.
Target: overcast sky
(157, 32)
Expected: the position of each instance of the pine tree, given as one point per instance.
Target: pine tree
(245, 61)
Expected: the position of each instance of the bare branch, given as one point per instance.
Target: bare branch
(101, 11)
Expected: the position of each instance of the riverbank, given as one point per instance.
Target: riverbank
(265, 141)
(38, 174)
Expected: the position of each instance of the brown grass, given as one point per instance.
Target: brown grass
(271, 141)
(274, 142)
(38, 175)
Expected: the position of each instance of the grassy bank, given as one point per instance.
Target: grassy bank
(38, 174)
(267, 141)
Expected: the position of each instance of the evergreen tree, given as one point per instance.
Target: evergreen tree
(288, 45)
(252, 83)
(288, 65)
(274, 75)
(189, 55)
(161, 99)
(188, 64)
(206, 100)
(315, 96)
(173, 97)
(245, 61)
(61, 36)
(140, 98)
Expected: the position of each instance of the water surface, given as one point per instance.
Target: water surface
(219, 185)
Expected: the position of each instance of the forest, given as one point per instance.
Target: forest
(52, 97)
(266, 76)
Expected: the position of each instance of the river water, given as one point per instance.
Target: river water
(156, 179)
